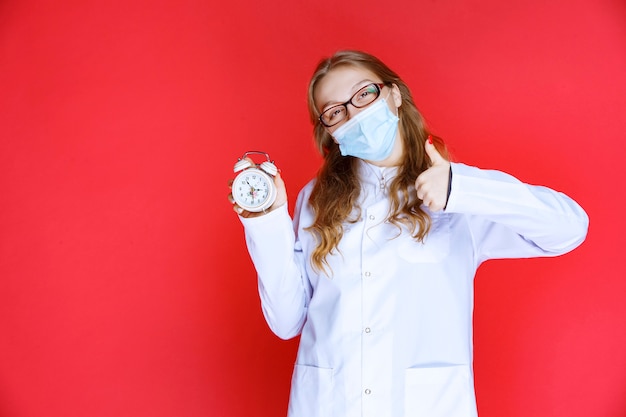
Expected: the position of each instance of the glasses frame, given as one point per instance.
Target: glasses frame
(379, 87)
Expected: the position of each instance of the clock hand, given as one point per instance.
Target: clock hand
(252, 189)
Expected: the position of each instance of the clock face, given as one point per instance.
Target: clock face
(253, 190)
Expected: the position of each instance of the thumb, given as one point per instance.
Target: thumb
(433, 153)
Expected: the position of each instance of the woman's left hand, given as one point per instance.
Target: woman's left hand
(432, 184)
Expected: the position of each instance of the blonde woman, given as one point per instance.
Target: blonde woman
(375, 271)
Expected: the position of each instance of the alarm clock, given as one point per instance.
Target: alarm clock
(253, 188)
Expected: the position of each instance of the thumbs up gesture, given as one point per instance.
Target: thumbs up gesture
(432, 184)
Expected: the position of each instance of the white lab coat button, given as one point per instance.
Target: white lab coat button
(372, 217)
(368, 274)
(368, 391)
(367, 330)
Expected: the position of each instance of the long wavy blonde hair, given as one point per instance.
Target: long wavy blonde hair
(337, 188)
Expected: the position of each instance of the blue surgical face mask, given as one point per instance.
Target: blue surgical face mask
(370, 134)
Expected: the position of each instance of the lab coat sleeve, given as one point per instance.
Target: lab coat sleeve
(510, 219)
(271, 243)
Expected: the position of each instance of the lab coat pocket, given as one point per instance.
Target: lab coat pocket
(435, 247)
(311, 392)
(442, 391)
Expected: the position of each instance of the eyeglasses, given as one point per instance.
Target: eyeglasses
(337, 113)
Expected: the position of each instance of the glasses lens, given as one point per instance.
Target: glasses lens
(333, 115)
(365, 95)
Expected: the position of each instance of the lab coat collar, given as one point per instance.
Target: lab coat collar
(376, 177)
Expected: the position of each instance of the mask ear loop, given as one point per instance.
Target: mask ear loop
(397, 108)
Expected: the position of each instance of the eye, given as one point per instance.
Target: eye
(366, 95)
(334, 113)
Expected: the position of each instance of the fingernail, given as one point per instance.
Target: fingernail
(430, 139)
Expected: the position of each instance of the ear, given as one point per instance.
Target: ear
(397, 97)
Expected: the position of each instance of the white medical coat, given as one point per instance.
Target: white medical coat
(389, 332)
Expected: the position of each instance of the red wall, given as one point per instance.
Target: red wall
(125, 287)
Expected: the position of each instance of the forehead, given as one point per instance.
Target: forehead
(340, 83)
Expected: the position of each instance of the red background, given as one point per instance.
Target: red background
(125, 286)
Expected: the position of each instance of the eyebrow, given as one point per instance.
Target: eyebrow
(356, 87)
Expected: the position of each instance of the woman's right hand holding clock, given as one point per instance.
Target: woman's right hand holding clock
(281, 198)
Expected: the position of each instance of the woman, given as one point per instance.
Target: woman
(375, 272)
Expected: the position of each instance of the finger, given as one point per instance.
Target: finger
(433, 153)
(278, 179)
(420, 192)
